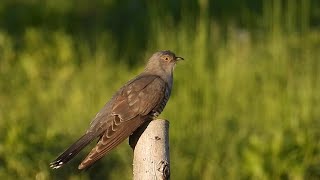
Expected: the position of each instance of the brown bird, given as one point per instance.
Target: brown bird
(139, 101)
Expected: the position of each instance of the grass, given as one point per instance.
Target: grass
(245, 104)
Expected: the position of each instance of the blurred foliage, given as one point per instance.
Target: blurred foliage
(245, 103)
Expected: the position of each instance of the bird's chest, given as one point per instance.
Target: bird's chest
(157, 111)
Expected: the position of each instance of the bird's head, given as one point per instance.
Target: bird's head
(163, 62)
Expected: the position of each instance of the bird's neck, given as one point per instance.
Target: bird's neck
(167, 76)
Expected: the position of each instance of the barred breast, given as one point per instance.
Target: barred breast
(158, 109)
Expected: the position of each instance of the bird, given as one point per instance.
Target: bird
(139, 101)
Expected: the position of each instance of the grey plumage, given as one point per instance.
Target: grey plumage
(140, 100)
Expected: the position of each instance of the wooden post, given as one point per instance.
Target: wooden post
(150, 145)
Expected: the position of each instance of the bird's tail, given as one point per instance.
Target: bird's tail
(73, 150)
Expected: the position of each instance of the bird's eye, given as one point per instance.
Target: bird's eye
(166, 58)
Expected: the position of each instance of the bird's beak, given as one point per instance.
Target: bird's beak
(179, 58)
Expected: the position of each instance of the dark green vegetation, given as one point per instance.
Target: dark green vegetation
(245, 103)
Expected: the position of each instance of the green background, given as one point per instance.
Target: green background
(245, 102)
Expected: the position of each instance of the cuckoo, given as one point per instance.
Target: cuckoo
(139, 101)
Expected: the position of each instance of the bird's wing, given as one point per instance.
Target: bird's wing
(129, 111)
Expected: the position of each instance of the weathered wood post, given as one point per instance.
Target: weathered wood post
(150, 145)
